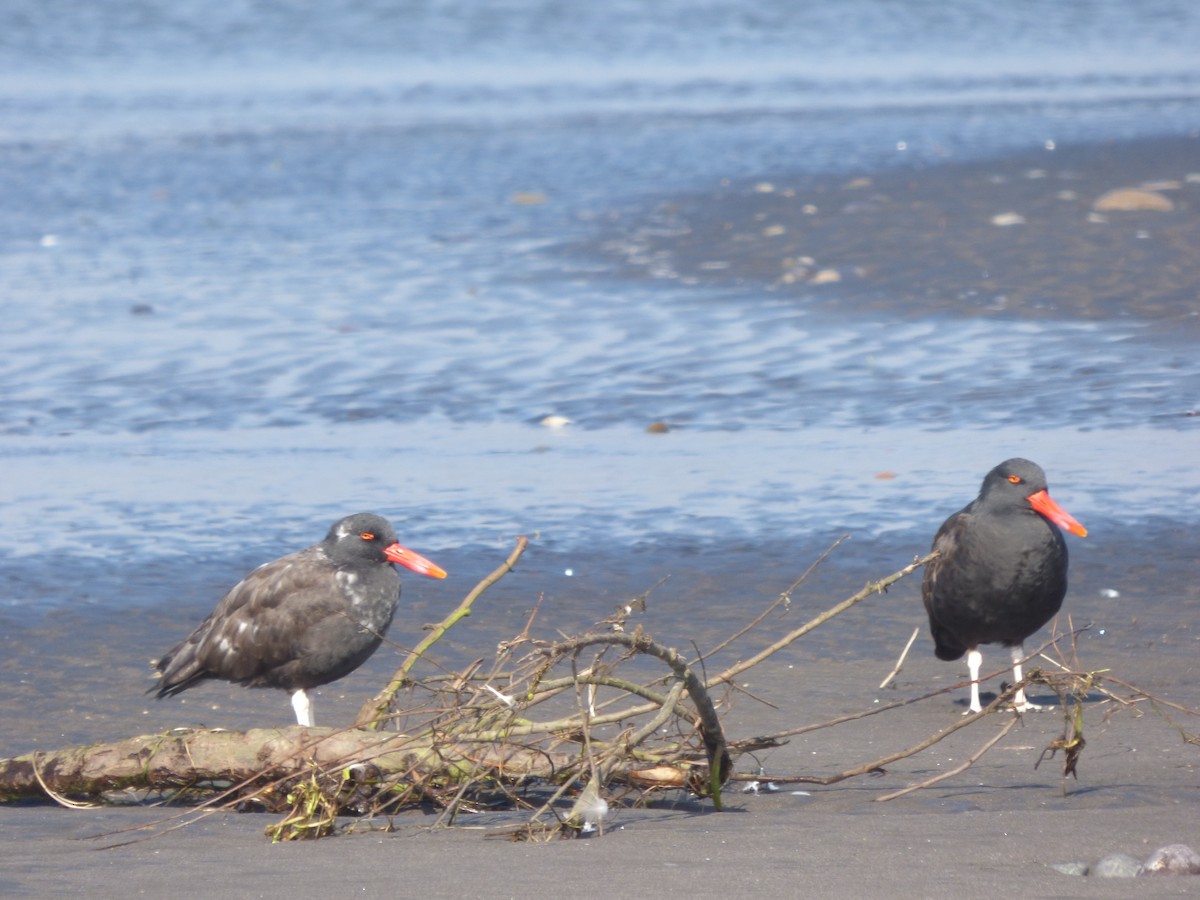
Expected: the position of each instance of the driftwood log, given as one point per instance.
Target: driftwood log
(188, 758)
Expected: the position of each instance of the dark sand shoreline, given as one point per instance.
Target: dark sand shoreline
(1011, 237)
(77, 676)
(987, 832)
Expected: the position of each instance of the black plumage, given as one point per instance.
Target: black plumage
(1001, 573)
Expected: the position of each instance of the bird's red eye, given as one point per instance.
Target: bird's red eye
(367, 536)
(1015, 479)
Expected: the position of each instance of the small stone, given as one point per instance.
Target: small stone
(1009, 218)
(764, 187)
(774, 231)
(1071, 868)
(528, 198)
(1117, 865)
(826, 276)
(1173, 859)
(556, 421)
(1131, 200)
(658, 428)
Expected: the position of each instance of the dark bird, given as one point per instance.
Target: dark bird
(1002, 570)
(304, 620)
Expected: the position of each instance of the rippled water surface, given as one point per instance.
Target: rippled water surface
(268, 264)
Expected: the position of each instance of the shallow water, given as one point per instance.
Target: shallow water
(264, 266)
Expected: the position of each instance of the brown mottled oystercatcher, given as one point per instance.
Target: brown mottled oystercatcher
(304, 620)
(1002, 572)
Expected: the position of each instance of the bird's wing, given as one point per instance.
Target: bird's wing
(259, 622)
(945, 544)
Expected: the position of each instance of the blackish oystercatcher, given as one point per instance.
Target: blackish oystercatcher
(1002, 572)
(304, 620)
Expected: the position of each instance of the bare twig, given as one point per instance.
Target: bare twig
(872, 588)
(900, 662)
(372, 712)
(783, 599)
(957, 770)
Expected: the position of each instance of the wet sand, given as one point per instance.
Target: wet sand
(988, 832)
(78, 675)
(1015, 238)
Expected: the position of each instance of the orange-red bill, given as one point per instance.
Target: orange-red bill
(414, 561)
(1043, 504)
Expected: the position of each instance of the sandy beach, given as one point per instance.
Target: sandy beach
(916, 240)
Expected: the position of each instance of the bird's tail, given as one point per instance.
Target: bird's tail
(179, 670)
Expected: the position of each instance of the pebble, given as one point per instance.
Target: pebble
(1174, 859)
(1071, 868)
(529, 198)
(1117, 865)
(1131, 199)
(1006, 219)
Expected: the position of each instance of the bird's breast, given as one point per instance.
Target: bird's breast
(371, 597)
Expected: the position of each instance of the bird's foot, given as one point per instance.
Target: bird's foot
(1025, 706)
(1020, 703)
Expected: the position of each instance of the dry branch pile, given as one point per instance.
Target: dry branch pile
(552, 730)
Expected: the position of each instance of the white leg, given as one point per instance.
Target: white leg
(1020, 704)
(974, 661)
(303, 707)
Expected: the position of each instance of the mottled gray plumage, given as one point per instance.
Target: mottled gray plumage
(303, 620)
